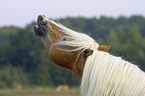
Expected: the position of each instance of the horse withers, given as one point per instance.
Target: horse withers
(100, 73)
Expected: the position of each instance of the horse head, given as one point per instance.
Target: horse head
(65, 49)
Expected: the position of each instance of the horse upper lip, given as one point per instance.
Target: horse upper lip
(40, 29)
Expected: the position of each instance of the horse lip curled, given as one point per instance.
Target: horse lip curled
(40, 29)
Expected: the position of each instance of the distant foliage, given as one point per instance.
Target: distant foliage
(25, 61)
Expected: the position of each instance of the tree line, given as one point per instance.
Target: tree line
(24, 59)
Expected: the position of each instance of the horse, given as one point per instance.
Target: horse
(100, 73)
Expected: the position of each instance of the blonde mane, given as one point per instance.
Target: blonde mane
(105, 74)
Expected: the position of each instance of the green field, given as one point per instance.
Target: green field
(40, 91)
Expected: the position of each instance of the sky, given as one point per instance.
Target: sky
(22, 12)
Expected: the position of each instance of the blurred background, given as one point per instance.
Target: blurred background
(25, 66)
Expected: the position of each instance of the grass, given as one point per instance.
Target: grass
(40, 91)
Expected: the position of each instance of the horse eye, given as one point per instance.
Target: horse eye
(64, 39)
(86, 51)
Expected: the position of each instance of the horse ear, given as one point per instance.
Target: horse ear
(104, 48)
(88, 52)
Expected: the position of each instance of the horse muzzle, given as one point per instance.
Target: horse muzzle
(41, 28)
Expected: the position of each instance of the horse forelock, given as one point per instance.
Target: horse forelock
(79, 40)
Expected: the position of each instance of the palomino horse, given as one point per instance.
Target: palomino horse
(100, 73)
